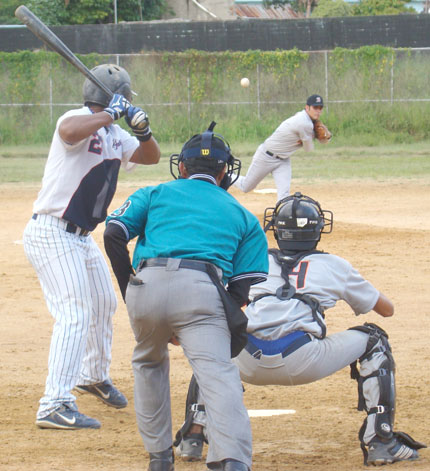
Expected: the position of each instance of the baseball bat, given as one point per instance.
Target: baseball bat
(39, 29)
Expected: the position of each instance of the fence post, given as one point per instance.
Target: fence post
(258, 92)
(189, 98)
(392, 78)
(50, 98)
(326, 79)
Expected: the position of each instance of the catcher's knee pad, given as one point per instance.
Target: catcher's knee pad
(376, 384)
(192, 408)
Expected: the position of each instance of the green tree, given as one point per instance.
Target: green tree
(77, 12)
(381, 7)
(7, 12)
(331, 8)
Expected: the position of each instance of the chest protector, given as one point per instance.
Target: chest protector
(287, 291)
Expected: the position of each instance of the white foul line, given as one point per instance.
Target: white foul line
(269, 412)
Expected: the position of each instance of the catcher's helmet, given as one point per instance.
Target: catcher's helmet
(298, 222)
(207, 153)
(114, 77)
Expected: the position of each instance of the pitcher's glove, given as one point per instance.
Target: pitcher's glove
(138, 121)
(321, 131)
(117, 107)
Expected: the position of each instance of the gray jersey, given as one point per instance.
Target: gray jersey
(302, 359)
(326, 277)
(273, 155)
(286, 138)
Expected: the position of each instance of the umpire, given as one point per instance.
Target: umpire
(187, 229)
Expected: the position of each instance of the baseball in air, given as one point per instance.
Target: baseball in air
(244, 82)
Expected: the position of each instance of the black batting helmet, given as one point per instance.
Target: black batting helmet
(298, 222)
(207, 153)
(114, 77)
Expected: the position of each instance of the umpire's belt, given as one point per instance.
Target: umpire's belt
(181, 263)
(285, 345)
(66, 225)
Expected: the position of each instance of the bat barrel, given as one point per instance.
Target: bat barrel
(39, 29)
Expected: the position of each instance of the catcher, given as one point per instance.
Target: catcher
(287, 341)
(273, 155)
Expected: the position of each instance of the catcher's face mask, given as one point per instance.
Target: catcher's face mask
(297, 222)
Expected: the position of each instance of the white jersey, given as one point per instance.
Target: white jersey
(326, 277)
(80, 179)
(285, 139)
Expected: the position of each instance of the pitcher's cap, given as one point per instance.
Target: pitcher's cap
(315, 100)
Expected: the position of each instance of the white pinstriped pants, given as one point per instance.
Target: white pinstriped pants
(79, 294)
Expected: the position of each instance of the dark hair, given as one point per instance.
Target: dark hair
(205, 165)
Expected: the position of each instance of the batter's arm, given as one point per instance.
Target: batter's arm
(148, 153)
(77, 128)
(115, 242)
(384, 307)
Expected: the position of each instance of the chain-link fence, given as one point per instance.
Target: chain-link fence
(179, 97)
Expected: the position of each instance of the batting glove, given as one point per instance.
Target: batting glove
(117, 107)
(138, 121)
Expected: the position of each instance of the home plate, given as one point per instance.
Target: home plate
(266, 190)
(269, 412)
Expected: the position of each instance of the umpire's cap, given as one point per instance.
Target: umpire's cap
(207, 153)
(315, 100)
(208, 145)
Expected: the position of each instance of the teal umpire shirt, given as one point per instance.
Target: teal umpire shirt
(195, 219)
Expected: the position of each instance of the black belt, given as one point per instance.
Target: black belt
(71, 228)
(184, 263)
(256, 352)
(273, 155)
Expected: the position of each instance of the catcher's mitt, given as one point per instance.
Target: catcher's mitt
(321, 131)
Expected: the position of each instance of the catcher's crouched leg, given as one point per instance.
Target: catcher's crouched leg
(377, 395)
(190, 437)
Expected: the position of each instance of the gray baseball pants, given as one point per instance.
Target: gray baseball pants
(185, 303)
(311, 362)
(262, 164)
(316, 360)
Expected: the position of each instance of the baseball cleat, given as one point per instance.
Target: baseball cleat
(190, 448)
(106, 392)
(67, 417)
(394, 450)
(234, 465)
(162, 461)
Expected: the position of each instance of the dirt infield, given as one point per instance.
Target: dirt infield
(382, 228)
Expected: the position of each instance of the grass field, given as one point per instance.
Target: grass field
(26, 163)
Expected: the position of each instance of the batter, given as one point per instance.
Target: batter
(78, 185)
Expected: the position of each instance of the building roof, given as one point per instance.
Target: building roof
(248, 10)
